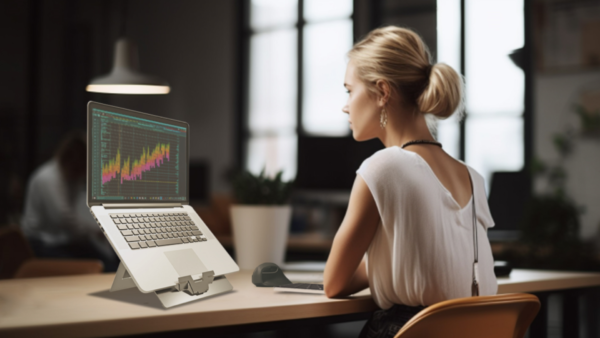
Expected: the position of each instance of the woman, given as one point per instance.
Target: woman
(57, 221)
(411, 206)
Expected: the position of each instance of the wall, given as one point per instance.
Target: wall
(554, 96)
(566, 50)
(418, 15)
(51, 49)
(14, 63)
(192, 45)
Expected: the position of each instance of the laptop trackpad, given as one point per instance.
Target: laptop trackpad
(186, 262)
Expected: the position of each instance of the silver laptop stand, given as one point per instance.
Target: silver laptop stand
(186, 290)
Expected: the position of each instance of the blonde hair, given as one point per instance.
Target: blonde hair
(399, 57)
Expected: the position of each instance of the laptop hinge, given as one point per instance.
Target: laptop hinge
(140, 205)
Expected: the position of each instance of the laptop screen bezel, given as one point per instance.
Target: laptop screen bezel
(154, 118)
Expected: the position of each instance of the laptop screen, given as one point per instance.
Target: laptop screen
(135, 157)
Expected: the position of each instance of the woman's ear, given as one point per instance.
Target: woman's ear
(383, 87)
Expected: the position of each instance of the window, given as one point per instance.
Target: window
(297, 65)
(495, 86)
(327, 38)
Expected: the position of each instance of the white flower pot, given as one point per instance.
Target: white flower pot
(260, 233)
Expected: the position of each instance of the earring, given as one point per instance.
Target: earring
(383, 118)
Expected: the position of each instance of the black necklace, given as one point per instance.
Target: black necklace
(421, 142)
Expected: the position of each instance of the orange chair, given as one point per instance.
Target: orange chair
(18, 261)
(500, 316)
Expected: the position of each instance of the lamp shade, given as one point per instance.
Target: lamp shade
(125, 77)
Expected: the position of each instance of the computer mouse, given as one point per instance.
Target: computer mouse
(269, 275)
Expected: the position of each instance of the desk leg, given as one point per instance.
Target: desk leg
(591, 303)
(539, 326)
(570, 314)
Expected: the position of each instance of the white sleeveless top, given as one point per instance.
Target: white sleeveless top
(422, 252)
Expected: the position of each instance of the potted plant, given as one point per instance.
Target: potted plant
(260, 218)
(549, 237)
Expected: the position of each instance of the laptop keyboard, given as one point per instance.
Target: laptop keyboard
(149, 230)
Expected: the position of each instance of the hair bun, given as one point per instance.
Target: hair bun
(443, 95)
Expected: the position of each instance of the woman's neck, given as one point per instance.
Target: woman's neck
(401, 129)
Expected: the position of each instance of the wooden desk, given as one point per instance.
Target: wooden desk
(81, 306)
(532, 281)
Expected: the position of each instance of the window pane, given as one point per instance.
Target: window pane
(319, 10)
(273, 64)
(325, 48)
(448, 134)
(494, 143)
(274, 153)
(494, 28)
(448, 32)
(448, 49)
(273, 13)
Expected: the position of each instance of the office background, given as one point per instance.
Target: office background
(52, 49)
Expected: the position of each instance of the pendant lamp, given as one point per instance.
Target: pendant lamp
(125, 77)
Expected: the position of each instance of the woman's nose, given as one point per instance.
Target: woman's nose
(345, 109)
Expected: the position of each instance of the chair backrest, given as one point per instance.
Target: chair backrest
(500, 316)
(14, 251)
(17, 260)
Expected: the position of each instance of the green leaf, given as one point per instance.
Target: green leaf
(261, 189)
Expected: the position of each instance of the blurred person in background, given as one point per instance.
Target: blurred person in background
(56, 220)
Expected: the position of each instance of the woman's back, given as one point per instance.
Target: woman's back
(423, 251)
(451, 173)
(408, 210)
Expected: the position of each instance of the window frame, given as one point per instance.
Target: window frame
(376, 16)
(510, 233)
(244, 134)
(528, 89)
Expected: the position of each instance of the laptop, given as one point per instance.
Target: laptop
(137, 190)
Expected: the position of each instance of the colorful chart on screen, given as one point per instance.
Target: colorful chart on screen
(136, 158)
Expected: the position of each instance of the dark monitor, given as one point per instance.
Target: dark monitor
(199, 181)
(509, 195)
(330, 163)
